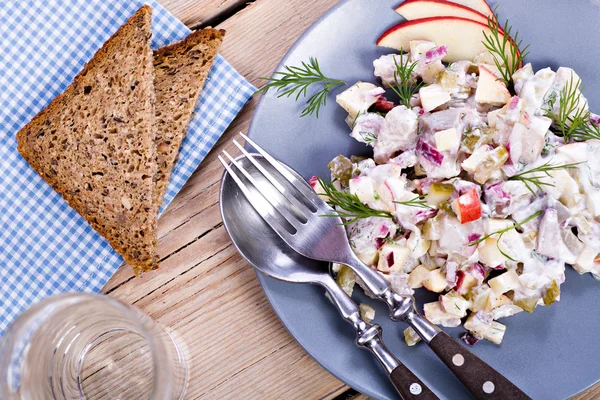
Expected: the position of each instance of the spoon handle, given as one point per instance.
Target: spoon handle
(408, 385)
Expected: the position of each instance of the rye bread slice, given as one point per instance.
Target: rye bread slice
(180, 71)
(94, 143)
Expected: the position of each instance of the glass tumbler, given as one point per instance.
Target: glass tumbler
(89, 346)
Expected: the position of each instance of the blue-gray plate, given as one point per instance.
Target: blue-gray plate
(553, 353)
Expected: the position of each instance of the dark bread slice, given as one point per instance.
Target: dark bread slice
(94, 143)
(180, 71)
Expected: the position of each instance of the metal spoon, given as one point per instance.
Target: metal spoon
(274, 258)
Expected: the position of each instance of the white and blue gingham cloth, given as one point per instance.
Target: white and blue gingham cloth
(45, 246)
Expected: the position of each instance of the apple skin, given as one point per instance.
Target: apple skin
(467, 207)
(477, 5)
(464, 37)
(417, 9)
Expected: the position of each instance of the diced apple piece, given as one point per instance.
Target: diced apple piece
(435, 281)
(490, 90)
(368, 256)
(417, 276)
(411, 337)
(359, 97)
(433, 96)
(464, 37)
(585, 260)
(419, 47)
(418, 245)
(455, 304)
(416, 9)
(435, 314)
(480, 297)
(492, 331)
(490, 255)
(495, 301)
(467, 207)
(505, 282)
(438, 193)
(465, 282)
(447, 140)
(506, 310)
(362, 187)
(392, 257)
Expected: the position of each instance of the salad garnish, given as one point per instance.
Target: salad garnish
(348, 206)
(403, 85)
(573, 118)
(418, 201)
(530, 179)
(498, 43)
(296, 80)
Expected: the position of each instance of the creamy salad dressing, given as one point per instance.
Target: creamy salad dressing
(491, 246)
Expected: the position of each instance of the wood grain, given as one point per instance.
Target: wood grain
(204, 286)
(197, 12)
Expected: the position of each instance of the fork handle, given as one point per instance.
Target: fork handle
(408, 385)
(483, 381)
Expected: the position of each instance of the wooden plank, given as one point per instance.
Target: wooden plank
(197, 12)
(203, 285)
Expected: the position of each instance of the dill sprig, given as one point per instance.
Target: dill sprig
(297, 80)
(505, 48)
(573, 120)
(404, 85)
(535, 176)
(503, 231)
(418, 201)
(348, 205)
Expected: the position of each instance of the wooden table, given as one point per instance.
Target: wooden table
(203, 283)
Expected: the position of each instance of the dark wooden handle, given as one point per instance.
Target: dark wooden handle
(409, 386)
(483, 381)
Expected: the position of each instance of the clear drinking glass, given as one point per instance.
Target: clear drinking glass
(86, 346)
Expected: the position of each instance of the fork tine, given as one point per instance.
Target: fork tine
(299, 184)
(300, 206)
(264, 209)
(292, 220)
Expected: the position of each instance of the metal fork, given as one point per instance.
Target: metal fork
(294, 211)
(273, 257)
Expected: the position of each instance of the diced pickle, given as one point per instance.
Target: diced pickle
(490, 164)
(526, 304)
(341, 169)
(411, 337)
(470, 139)
(346, 279)
(446, 206)
(551, 293)
(366, 312)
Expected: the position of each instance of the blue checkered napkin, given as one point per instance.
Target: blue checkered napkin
(45, 246)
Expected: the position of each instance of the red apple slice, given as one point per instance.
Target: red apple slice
(416, 9)
(477, 5)
(464, 37)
